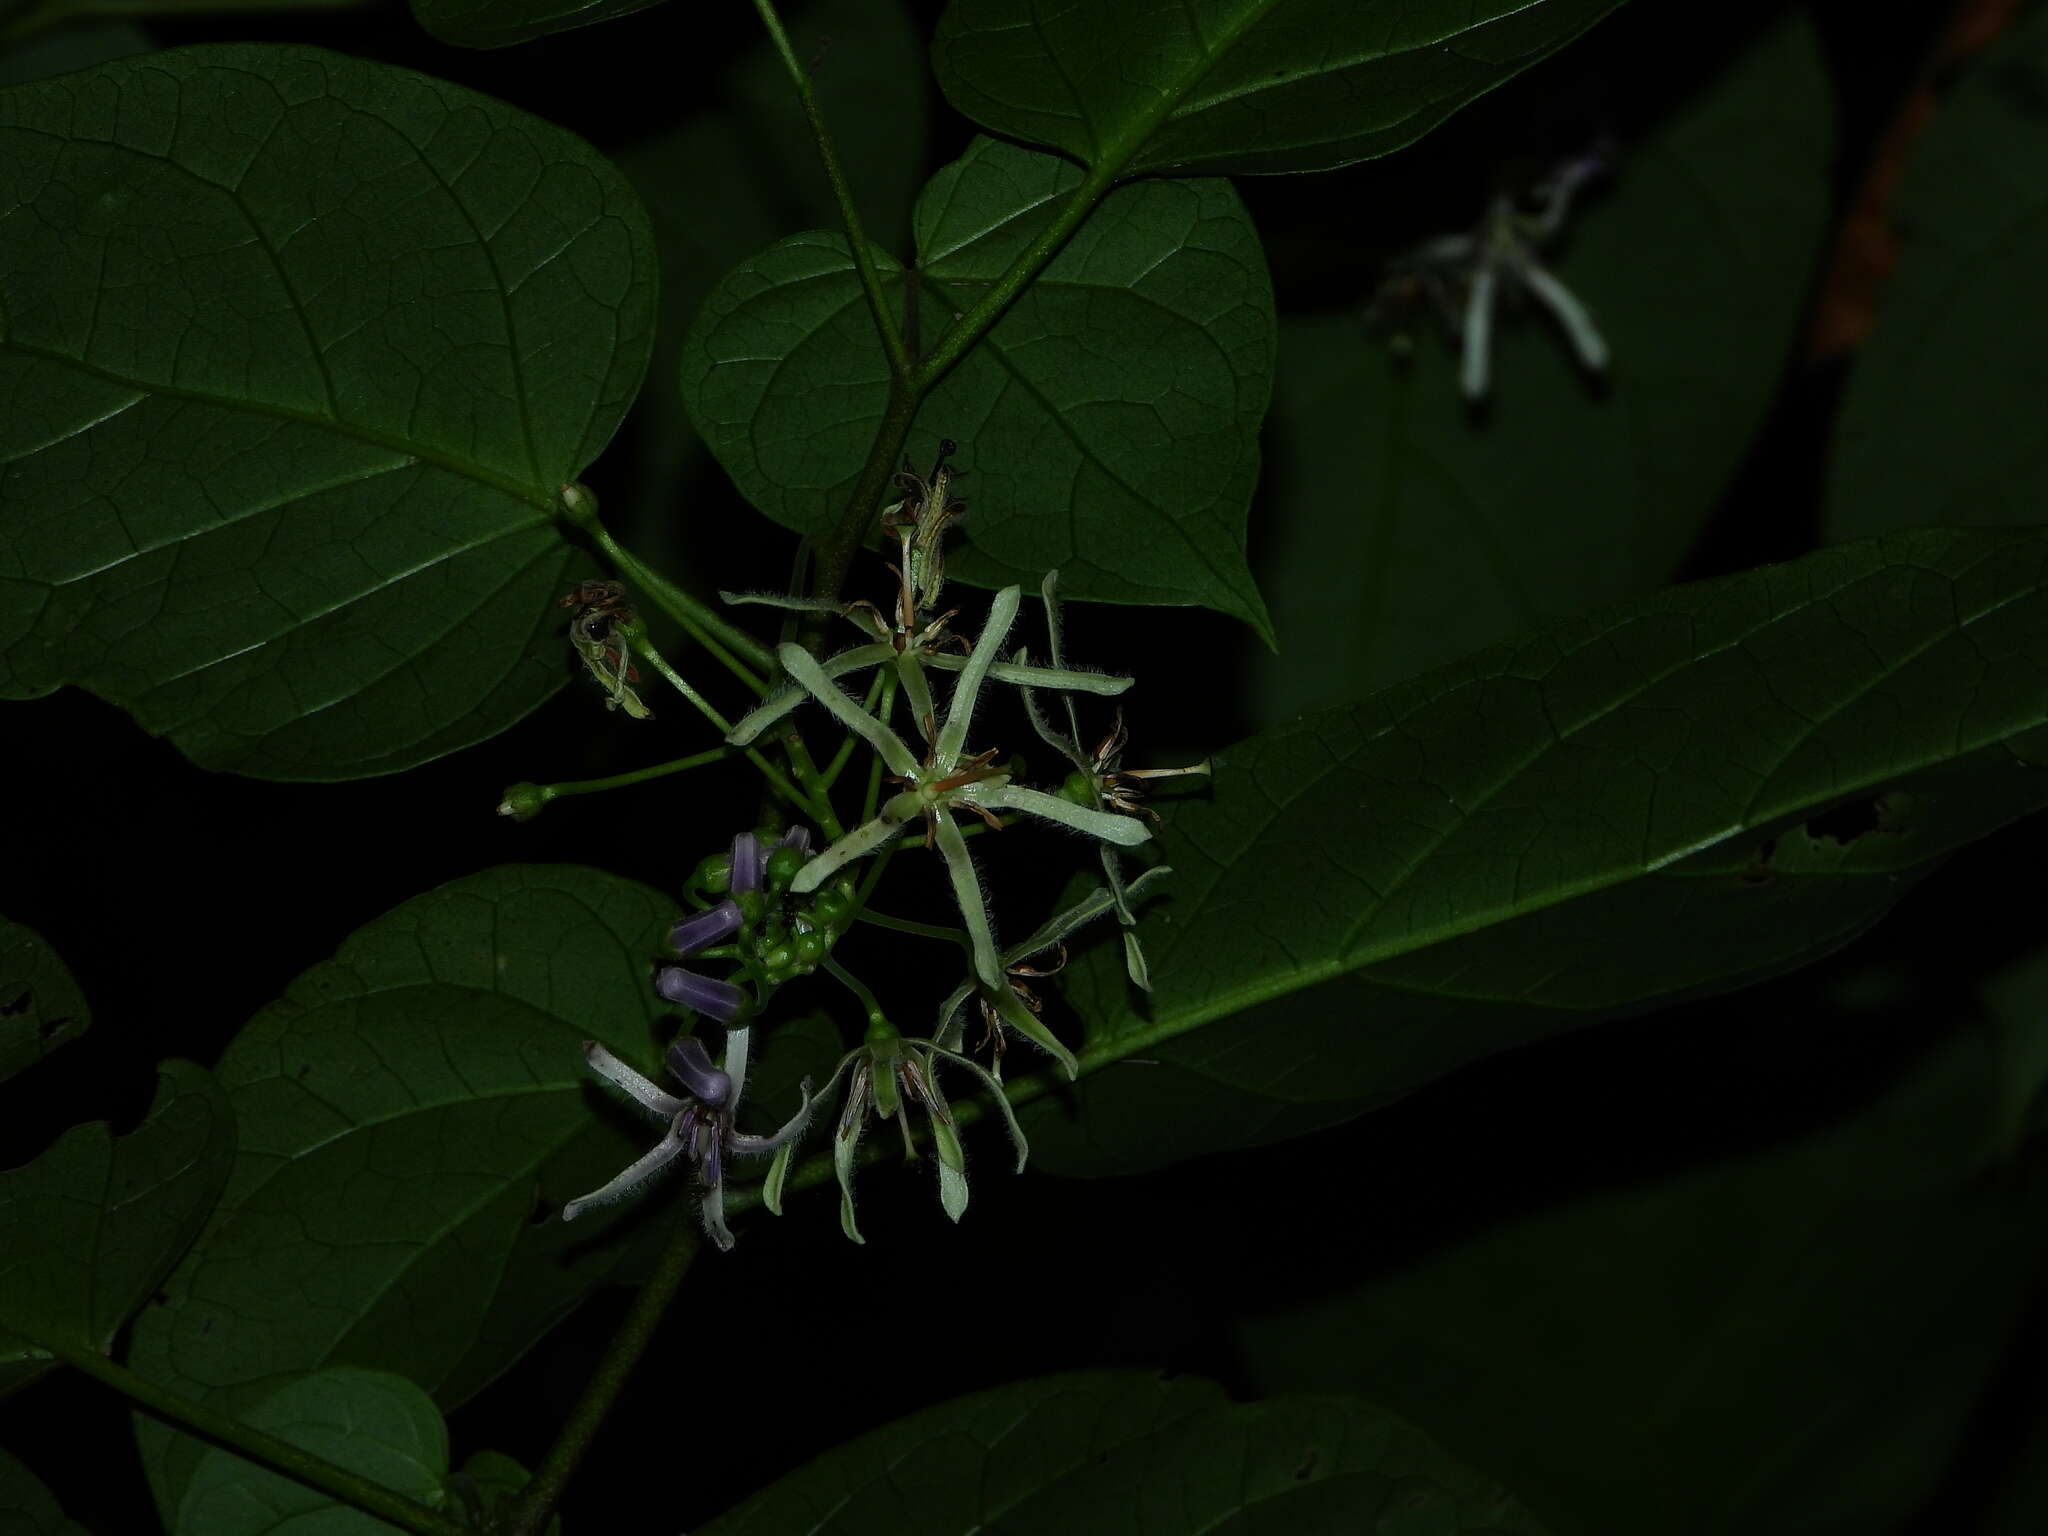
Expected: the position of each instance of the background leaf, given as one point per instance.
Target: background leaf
(298, 349)
(378, 1426)
(1942, 421)
(1237, 85)
(1785, 1339)
(1679, 796)
(88, 1229)
(501, 23)
(26, 1505)
(1109, 1452)
(413, 1114)
(1109, 422)
(41, 1004)
(1405, 529)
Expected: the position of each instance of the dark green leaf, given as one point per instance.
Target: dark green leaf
(26, 1506)
(1679, 796)
(1109, 423)
(41, 1006)
(1237, 85)
(1410, 530)
(89, 1229)
(1082, 1454)
(1783, 1343)
(378, 1426)
(746, 151)
(1942, 418)
(297, 350)
(413, 1113)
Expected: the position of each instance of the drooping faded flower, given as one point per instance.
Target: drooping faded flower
(886, 1077)
(700, 1124)
(1466, 277)
(1100, 780)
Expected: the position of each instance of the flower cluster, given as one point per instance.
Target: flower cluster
(774, 910)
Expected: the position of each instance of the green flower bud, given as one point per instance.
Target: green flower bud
(523, 802)
(783, 864)
(1080, 789)
(714, 875)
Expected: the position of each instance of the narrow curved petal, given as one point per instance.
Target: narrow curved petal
(665, 1151)
(690, 1064)
(704, 929)
(1110, 826)
(967, 895)
(772, 709)
(853, 1120)
(1032, 1028)
(1049, 594)
(1002, 613)
(917, 689)
(817, 681)
(1023, 674)
(857, 844)
(719, 1000)
(1577, 321)
(713, 1212)
(1473, 371)
(1001, 1100)
(792, 1129)
(648, 1095)
(737, 1045)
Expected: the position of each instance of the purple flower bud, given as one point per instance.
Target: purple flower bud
(748, 864)
(798, 838)
(719, 1000)
(705, 929)
(690, 1064)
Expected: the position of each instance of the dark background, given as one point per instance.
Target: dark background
(185, 901)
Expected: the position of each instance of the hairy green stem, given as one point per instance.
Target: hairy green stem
(549, 792)
(842, 194)
(836, 549)
(920, 930)
(636, 639)
(539, 1498)
(815, 784)
(859, 989)
(265, 1449)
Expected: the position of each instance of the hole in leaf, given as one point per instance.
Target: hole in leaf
(16, 1002)
(1307, 1468)
(1859, 818)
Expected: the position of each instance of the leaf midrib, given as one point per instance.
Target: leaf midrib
(1167, 1026)
(537, 497)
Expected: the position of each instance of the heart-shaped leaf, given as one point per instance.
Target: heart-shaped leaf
(1083, 1454)
(1237, 85)
(299, 349)
(89, 1229)
(41, 1006)
(1109, 422)
(1408, 529)
(1678, 796)
(413, 1113)
(1942, 418)
(376, 1425)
